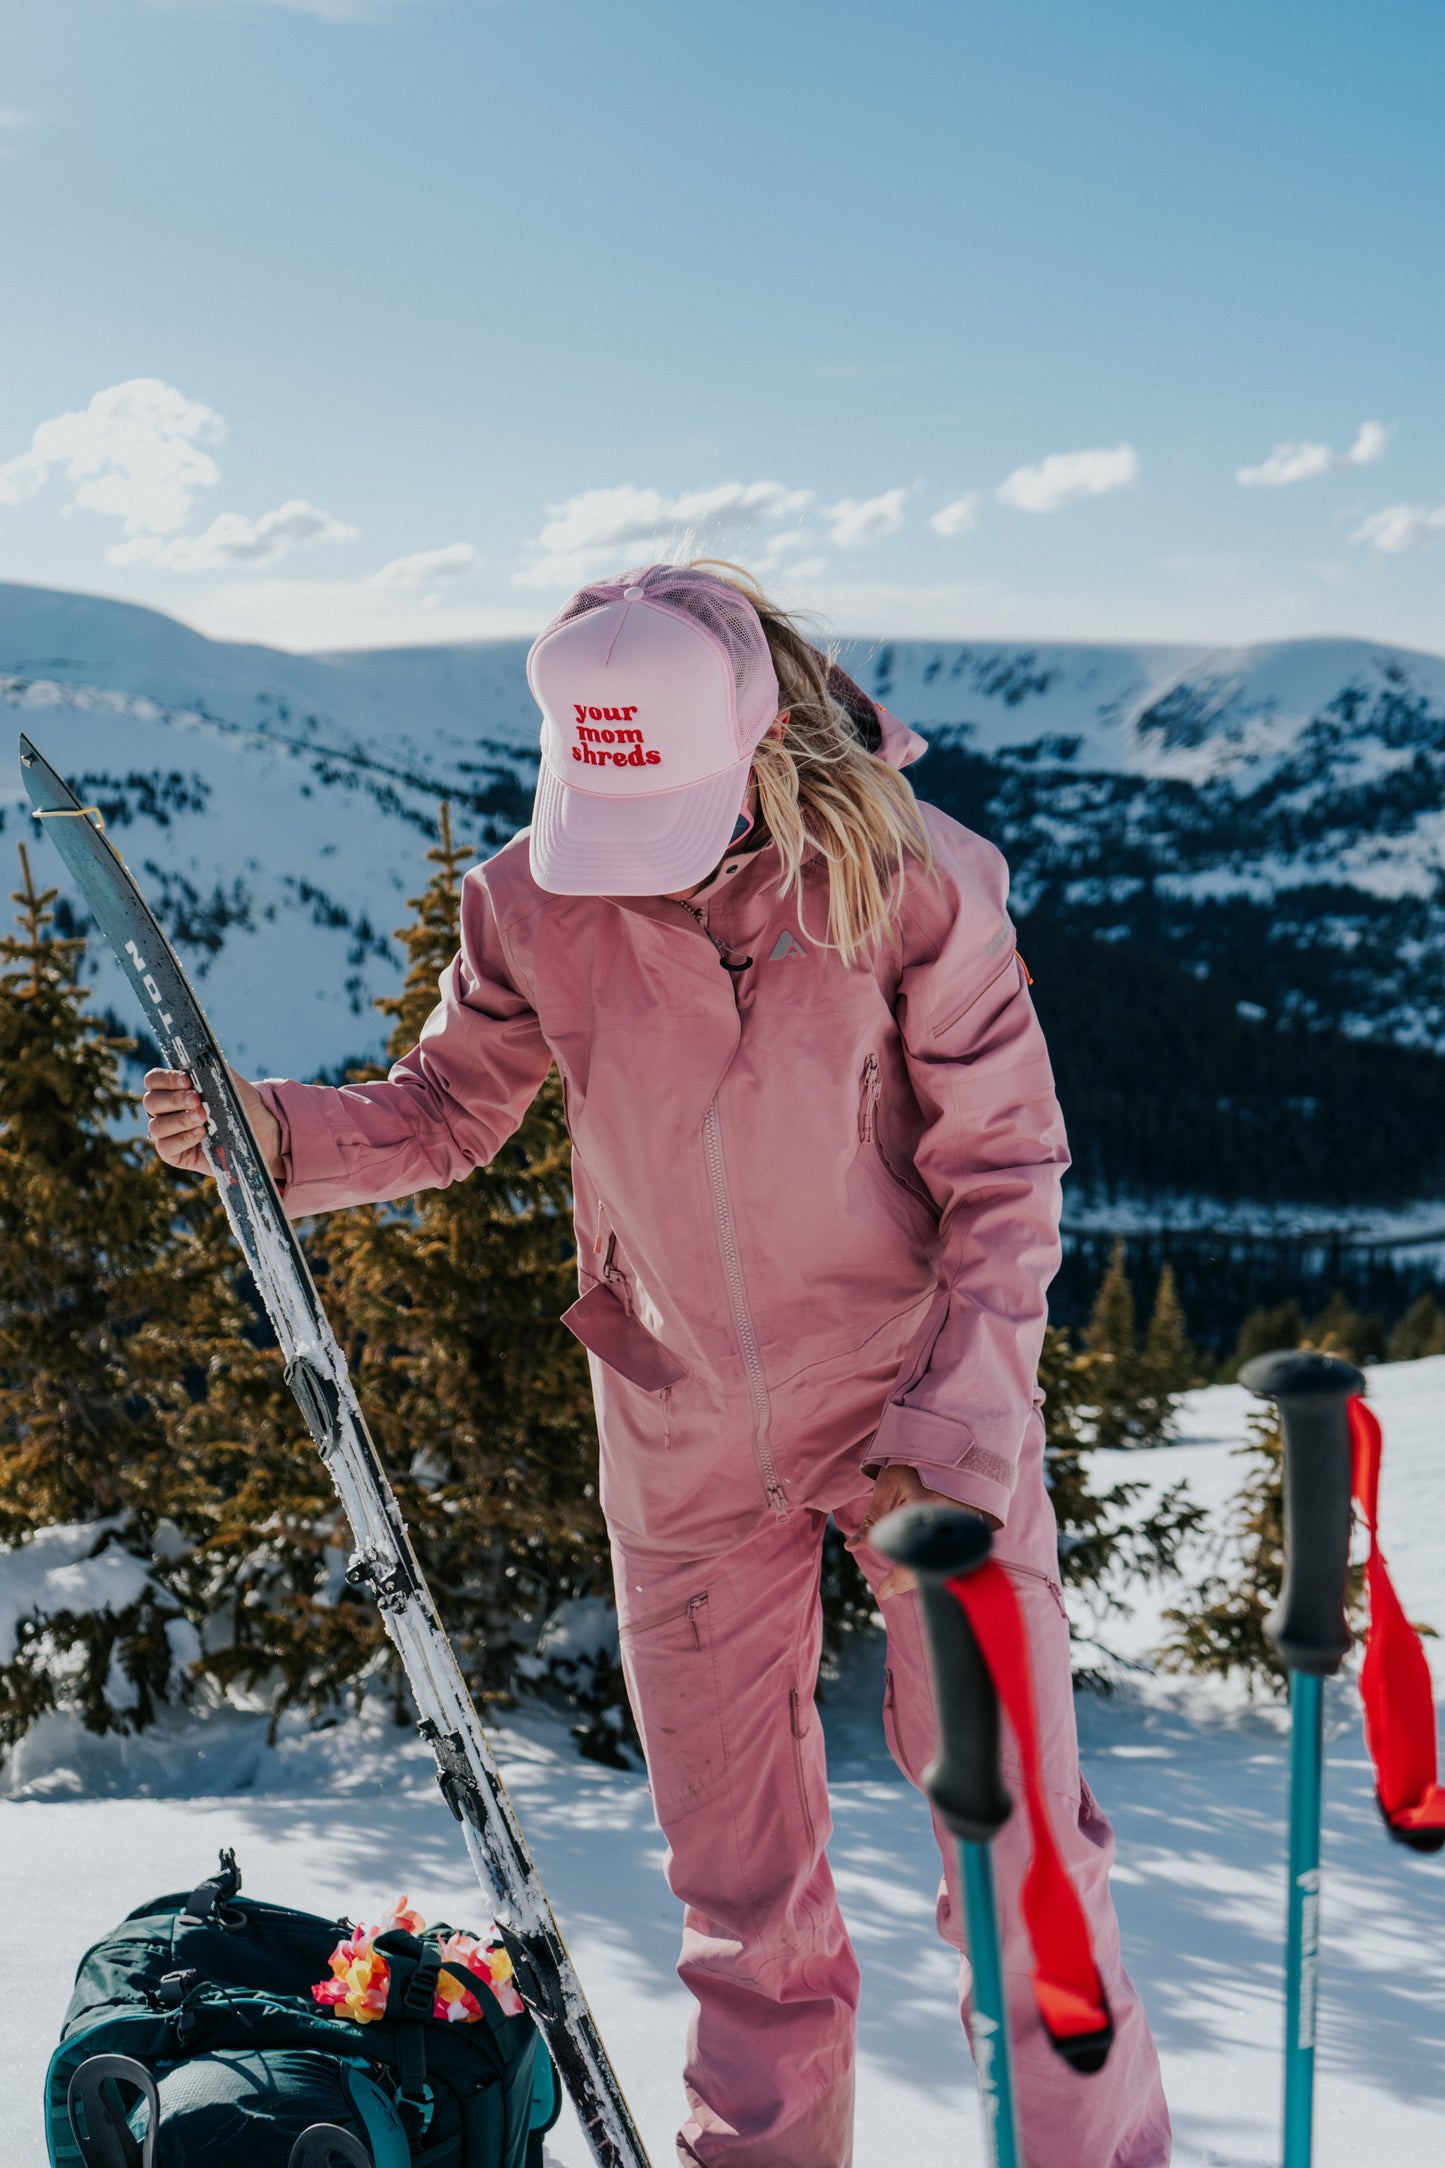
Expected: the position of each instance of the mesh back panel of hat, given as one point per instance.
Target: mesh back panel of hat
(720, 609)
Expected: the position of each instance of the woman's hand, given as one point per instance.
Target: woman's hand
(895, 1486)
(177, 1120)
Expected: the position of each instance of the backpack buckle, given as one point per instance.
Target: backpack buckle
(418, 1997)
(419, 2107)
(209, 1904)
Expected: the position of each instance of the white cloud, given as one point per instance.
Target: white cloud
(1401, 527)
(854, 521)
(427, 567)
(310, 615)
(134, 452)
(958, 517)
(1064, 477)
(1302, 462)
(232, 539)
(600, 529)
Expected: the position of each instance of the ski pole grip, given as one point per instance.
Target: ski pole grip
(938, 1544)
(1312, 1391)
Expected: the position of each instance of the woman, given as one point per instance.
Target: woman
(817, 1160)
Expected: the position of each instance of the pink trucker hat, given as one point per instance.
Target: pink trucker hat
(654, 689)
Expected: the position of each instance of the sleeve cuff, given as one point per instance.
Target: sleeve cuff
(311, 1162)
(946, 1457)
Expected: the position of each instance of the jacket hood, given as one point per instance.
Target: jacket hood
(880, 730)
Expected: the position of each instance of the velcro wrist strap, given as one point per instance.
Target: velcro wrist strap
(1067, 1988)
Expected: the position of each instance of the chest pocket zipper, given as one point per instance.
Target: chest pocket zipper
(869, 1102)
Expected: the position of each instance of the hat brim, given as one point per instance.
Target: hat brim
(583, 844)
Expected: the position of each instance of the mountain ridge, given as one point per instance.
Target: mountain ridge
(1264, 826)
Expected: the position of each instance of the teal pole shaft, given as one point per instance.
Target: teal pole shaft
(1302, 1959)
(989, 2021)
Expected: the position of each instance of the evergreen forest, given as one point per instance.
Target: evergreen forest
(168, 1535)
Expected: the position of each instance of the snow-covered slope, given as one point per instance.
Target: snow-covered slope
(1276, 810)
(276, 809)
(344, 1820)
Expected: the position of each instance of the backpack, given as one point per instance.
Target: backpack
(193, 2040)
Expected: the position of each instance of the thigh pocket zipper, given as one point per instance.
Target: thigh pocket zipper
(798, 1728)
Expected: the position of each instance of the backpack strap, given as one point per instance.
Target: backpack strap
(415, 1965)
(100, 2117)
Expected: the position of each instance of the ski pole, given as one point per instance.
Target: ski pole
(1310, 1633)
(963, 1782)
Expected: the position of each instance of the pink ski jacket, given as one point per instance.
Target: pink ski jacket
(816, 1207)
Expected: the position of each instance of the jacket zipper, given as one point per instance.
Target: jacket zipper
(742, 1322)
(723, 951)
(868, 1111)
(733, 1266)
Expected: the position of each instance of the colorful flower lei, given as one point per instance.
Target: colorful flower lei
(361, 1977)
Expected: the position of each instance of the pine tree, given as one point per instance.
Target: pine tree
(1105, 1544)
(1342, 1330)
(93, 1291)
(1112, 1340)
(1421, 1331)
(449, 1305)
(269, 1542)
(1267, 1331)
(1167, 1366)
(1223, 1630)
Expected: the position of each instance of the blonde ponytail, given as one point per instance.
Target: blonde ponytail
(820, 789)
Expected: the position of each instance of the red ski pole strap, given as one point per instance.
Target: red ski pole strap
(1394, 1677)
(1067, 1987)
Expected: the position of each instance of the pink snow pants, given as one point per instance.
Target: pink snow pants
(721, 1656)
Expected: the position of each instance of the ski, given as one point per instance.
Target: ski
(384, 1561)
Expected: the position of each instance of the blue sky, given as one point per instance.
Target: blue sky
(333, 323)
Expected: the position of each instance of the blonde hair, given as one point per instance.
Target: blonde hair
(820, 789)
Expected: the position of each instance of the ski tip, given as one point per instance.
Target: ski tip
(28, 753)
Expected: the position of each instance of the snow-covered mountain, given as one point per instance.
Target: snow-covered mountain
(1271, 816)
(276, 809)
(1274, 815)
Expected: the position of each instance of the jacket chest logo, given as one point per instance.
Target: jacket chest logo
(787, 944)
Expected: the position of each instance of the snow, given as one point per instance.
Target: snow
(344, 1818)
(55, 1572)
(1415, 1228)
